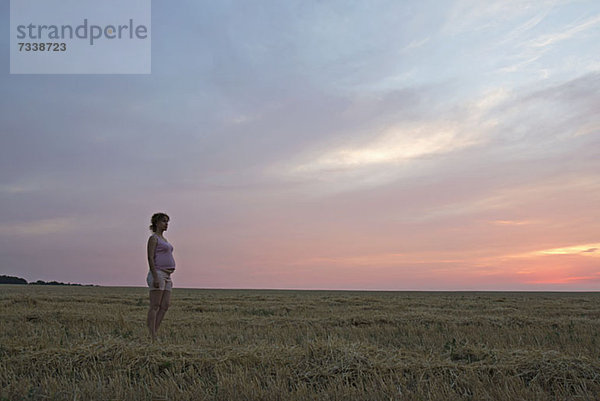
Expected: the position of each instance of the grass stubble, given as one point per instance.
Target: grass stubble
(82, 343)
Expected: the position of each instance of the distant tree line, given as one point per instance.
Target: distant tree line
(19, 280)
(12, 280)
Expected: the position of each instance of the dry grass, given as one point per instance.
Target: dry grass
(81, 343)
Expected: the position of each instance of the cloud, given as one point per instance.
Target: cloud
(415, 44)
(497, 127)
(12, 189)
(511, 223)
(587, 129)
(592, 279)
(467, 16)
(395, 144)
(386, 149)
(587, 250)
(584, 249)
(39, 227)
(566, 33)
(517, 33)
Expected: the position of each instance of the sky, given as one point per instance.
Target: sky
(376, 145)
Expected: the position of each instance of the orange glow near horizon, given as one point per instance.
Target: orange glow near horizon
(337, 264)
(584, 250)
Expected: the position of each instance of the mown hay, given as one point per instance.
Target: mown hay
(83, 344)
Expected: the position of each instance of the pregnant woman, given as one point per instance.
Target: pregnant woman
(162, 265)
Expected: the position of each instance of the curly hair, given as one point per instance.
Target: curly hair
(156, 218)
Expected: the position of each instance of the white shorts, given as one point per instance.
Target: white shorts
(164, 280)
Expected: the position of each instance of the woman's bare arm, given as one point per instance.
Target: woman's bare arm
(152, 241)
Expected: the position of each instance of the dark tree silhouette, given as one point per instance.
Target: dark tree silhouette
(12, 280)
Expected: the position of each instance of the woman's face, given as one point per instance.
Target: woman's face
(162, 224)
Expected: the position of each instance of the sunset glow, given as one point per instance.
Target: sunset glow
(384, 146)
(584, 250)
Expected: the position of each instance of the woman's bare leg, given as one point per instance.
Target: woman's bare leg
(155, 300)
(165, 302)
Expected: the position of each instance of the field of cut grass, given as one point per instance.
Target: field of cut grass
(90, 343)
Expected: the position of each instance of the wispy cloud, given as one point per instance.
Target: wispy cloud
(415, 44)
(583, 250)
(568, 32)
(12, 189)
(567, 280)
(517, 33)
(394, 145)
(470, 15)
(39, 227)
(378, 260)
(587, 129)
(534, 46)
(511, 222)
(386, 151)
